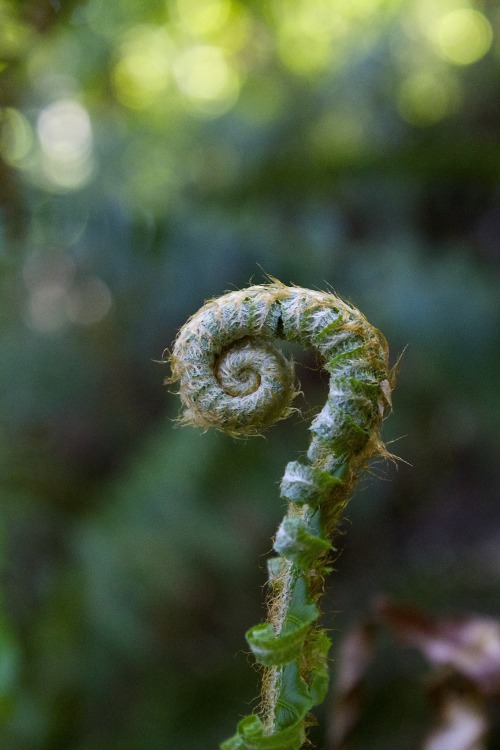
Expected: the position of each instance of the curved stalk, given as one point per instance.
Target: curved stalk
(232, 377)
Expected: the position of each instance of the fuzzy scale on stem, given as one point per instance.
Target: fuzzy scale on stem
(232, 377)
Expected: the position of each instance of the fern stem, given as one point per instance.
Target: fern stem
(232, 377)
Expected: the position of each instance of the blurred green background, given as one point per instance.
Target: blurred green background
(156, 154)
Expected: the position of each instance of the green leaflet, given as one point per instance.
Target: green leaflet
(349, 350)
(233, 743)
(318, 647)
(306, 484)
(271, 649)
(349, 437)
(250, 736)
(295, 542)
(328, 330)
(295, 700)
(233, 378)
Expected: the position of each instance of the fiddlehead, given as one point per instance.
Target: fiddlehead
(233, 378)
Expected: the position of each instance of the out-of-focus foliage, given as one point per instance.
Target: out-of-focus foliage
(465, 688)
(156, 154)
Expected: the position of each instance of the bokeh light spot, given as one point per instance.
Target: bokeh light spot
(311, 34)
(57, 297)
(423, 99)
(306, 30)
(304, 51)
(64, 130)
(463, 36)
(47, 308)
(89, 301)
(144, 69)
(48, 276)
(203, 16)
(16, 137)
(14, 35)
(208, 80)
(65, 135)
(51, 269)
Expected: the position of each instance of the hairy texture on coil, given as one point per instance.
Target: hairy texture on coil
(234, 378)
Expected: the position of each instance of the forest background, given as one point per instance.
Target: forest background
(153, 155)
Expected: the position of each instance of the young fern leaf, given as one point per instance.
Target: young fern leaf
(232, 377)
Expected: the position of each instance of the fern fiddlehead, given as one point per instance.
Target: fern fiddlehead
(232, 377)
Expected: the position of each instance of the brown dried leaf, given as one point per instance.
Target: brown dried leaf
(462, 722)
(470, 645)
